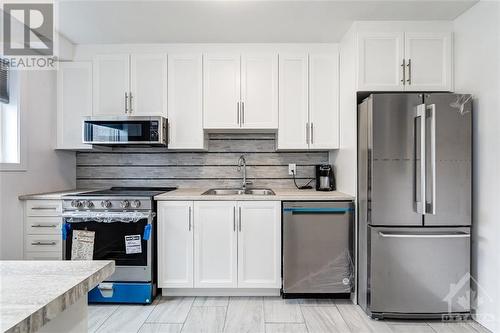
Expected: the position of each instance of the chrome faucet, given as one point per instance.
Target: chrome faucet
(242, 166)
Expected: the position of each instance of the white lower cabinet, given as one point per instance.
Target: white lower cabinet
(175, 245)
(219, 244)
(259, 244)
(215, 244)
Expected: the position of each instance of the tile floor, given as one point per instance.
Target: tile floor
(255, 314)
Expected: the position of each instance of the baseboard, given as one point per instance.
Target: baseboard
(219, 292)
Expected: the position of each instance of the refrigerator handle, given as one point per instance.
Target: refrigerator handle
(420, 116)
(430, 235)
(431, 207)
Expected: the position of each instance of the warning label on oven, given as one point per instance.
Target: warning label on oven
(133, 244)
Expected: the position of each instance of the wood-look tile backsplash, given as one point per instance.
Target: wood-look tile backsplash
(213, 168)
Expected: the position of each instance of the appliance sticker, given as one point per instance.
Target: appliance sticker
(133, 244)
(82, 245)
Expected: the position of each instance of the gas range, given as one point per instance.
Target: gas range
(121, 224)
(115, 198)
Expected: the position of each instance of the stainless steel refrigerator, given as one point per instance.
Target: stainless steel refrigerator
(414, 196)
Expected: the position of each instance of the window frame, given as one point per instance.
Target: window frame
(22, 137)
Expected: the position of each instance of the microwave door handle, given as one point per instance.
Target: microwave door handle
(420, 117)
(431, 208)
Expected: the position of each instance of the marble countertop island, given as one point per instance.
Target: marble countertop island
(32, 293)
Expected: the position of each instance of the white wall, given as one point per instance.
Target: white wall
(46, 169)
(477, 71)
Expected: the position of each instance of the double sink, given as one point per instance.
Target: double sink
(239, 191)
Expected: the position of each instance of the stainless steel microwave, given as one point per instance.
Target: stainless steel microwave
(125, 130)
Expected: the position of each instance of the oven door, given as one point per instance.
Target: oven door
(111, 231)
(133, 130)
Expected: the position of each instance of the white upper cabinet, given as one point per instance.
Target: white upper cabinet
(293, 132)
(380, 61)
(130, 84)
(215, 244)
(74, 102)
(240, 91)
(308, 101)
(324, 101)
(148, 85)
(111, 84)
(259, 244)
(429, 65)
(175, 244)
(404, 61)
(221, 85)
(185, 101)
(259, 91)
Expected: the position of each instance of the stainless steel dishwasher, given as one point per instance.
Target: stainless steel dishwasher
(317, 248)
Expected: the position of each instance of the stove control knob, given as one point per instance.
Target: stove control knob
(136, 204)
(125, 204)
(76, 203)
(88, 204)
(106, 204)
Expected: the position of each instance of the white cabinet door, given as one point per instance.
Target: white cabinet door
(293, 126)
(323, 101)
(111, 84)
(221, 91)
(380, 59)
(429, 59)
(148, 84)
(259, 91)
(185, 101)
(259, 244)
(175, 244)
(74, 102)
(215, 244)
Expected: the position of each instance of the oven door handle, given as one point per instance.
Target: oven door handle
(106, 217)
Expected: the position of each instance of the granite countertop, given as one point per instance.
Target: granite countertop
(55, 195)
(34, 292)
(282, 194)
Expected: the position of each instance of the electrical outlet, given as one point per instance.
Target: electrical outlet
(292, 169)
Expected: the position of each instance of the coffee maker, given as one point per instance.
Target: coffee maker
(325, 180)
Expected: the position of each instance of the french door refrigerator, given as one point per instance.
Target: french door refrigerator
(414, 195)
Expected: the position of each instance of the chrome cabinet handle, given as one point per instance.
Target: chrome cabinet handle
(43, 243)
(234, 219)
(403, 68)
(44, 208)
(238, 112)
(239, 218)
(126, 102)
(409, 72)
(189, 219)
(307, 133)
(242, 113)
(44, 225)
(130, 100)
(432, 113)
(312, 133)
(436, 235)
(420, 204)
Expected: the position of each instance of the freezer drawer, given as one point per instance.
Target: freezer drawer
(419, 270)
(317, 247)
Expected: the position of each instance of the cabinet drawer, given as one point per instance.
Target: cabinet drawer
(43, 225)
(43, 255)
(43, 207)
(43, 243)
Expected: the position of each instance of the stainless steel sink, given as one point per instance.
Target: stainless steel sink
(236, 191)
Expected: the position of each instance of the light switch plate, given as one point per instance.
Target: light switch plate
(292, 169)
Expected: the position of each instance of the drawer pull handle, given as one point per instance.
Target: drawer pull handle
(44, 243)
(44, 208)
(44, 225)
(436, 235)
